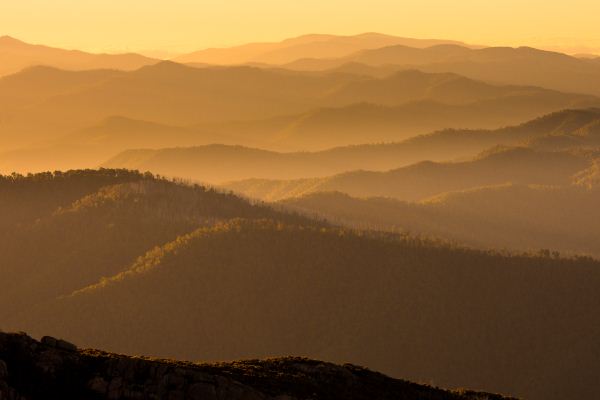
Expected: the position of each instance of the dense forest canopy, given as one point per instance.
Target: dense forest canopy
(122, 260)
(426, 208)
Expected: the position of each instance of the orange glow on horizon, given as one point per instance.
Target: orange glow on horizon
(188, 25)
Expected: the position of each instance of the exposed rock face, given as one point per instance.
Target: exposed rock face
(56, 369)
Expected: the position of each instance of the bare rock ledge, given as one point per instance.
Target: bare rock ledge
(56, 369)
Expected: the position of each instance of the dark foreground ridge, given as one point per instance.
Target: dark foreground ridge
(56, 369)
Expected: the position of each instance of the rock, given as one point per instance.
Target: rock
(175, 380)
(115, 388)
(131, 394)
(51, 371)
(228, 389)
(49, 341)
(176, 395)
(3, 370)
(3, 389)
(98, 385)
(158, 371)
(64, 345)
(127, 368)
(202, 391)
(199, 376)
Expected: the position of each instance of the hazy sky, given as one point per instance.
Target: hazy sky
(185, 25)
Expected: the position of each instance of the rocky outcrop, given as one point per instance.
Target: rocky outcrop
(55, 369)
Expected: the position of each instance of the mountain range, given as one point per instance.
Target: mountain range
(508, 216)
(315, 45)
(16, 55)
(54, 119)
(426, 208)
(425, 179)
(186, 272)
(220, 163)
(42, 103)
(517, 66)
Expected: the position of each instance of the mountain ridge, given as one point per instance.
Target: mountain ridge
(426, 178)
(286, 50)
(506, 216)
(16, 55)
(522, 65)
(92, 373)
(205, 163)
(44, 115)
(226, 291)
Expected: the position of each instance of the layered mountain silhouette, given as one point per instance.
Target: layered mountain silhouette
(589, 178)
(520, 66)
(516, 217)
(286, 110)
(378, 201)
(89, 147)
(172, 94)
(182, 271)
(219, 163)
(588, 136)
(40, 207)
(427, 178)
(16, 55)
(315, 45)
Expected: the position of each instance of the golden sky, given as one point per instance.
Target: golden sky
(186, 25)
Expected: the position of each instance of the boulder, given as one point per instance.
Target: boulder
(49, 341)
(202, 391)
(3, 371)
(64, 345)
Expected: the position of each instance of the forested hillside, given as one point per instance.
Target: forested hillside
(136, 264)
(53, 224)
(419, 181)
(516, 217)
(427, 208)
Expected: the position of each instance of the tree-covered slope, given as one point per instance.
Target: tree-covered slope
(407, 307)
(61, 231)
(131, 263)
(520, 165)
(515, 217)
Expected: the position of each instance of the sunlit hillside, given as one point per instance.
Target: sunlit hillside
(515, 217)
(425, 179)
(16, 55)
(220, 163)
(522, 65)
(278, 200)
(218, 276)
(318, 46)
(56, 119)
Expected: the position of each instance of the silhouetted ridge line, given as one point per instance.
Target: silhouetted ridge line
(53, 369)
(218, 276)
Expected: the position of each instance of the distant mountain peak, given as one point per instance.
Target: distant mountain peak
(450, 46)
(499, 151)
(166, 66)
(9, 40)
(373, 34)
